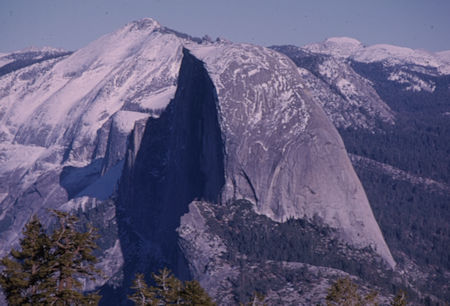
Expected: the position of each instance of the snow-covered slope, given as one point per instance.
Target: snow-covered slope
(131, 69)
(336, 46)
(333, 69)
(62, 104)
(347, 98)
(64, 113)
(350, 48)
(444, 55)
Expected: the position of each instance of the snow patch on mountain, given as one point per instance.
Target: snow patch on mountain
(348, 95)
(18, 156)
(124, 120)
(22, 165)
(414, 83)
(444, 55)
(395, 55)
(328, 69)
(336, 46)
(83, 203)
(346, 88)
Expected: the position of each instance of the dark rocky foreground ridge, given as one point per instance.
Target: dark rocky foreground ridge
(217, 160)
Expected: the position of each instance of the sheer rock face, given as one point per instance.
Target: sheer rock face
(254, 133)
(180, 158)
(282, 152)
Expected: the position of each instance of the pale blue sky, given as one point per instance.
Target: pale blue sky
(71, 24)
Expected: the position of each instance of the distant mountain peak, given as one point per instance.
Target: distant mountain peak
(346, 47)
(44, 49)
(336, 46)
(343, 40)
(144, 24)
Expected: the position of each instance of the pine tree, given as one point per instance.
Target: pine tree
(168, 290)
(71, 259)
(344, 292)
(194, 294)
(142, 296)
(46, 269)
(25, 277)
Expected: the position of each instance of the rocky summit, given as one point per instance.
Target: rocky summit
(219, 160)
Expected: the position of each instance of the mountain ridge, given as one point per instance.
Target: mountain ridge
(345, 47)
(125, 109)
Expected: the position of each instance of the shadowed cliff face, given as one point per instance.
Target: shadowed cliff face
(178, 159)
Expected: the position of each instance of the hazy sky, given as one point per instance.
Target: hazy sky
(71, 24)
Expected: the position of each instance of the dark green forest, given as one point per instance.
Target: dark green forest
(296, 240)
